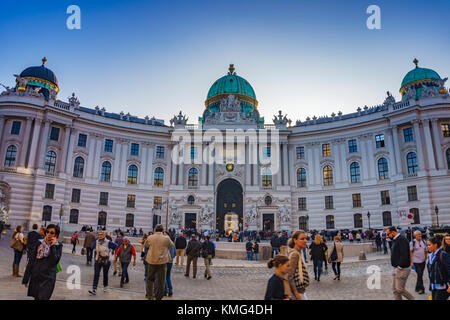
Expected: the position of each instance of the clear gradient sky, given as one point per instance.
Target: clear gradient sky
(158, 57)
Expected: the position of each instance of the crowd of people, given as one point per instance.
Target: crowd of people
(160, 248)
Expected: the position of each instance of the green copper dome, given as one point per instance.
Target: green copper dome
(231, 84)
(418, 75)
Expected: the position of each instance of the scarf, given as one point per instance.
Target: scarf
(286, 286)
(43, 249)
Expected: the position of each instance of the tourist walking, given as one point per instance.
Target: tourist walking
(158, 256)
(249, 249)
(350, 237)
(336, 257)
(118, 242)
(317, 253)
(418, 249)
(400, 261)
(298, 276)
(283, 244)
(89, 239)
(103, 248)
(124, 253)
(33, 237)
(208, 253)
(358, 237)
(192, 253)
(438, 264)
(278, 287)
(378, 242)
(255, 250)
(74, 241)
(17, 244)
(275, 244)
(180, 246)
(40, 275)
(168, 288)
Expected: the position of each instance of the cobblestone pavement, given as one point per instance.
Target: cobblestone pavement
(231, 280)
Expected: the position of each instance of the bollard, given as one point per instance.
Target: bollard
(362, 255)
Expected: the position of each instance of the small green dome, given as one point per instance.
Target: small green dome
(231, 83)
(418, 74)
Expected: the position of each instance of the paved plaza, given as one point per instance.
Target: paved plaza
(232, 279)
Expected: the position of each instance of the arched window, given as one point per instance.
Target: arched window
(158, 177)
(129, 220)
(50, 162)
(447, 153)
(78, 167)
(266, 178)
(73, 218)
(302, 225)
(10, 159)
(191, 200)
(106, 172)
(102, 218)
(330, 221)
(357, 220)
(328, 176)
(47, 213)
(192, 177)
(355, 175)
(383, 170)
(415, 212)
(301, 178)
(387, 219)
(411, 160)
(132, 174)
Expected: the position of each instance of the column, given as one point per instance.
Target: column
(285, 165)
(344, 169)
(98, 148)
(151, 148)
(210, 170)
(398, 155)
(337, 162)
(2, 127)
(364, 158)
(174, 158)
(43, 144)
(25, 142)
(256, 171)
(312, 171)
(61, 158)
(248, 172)
(279, 174)
(69, 155)
(440, 155)
(181, 166)
(419, 145)
(91, 156)
(123, 162)
(429, 145)
(116, 168)
(318, 174)
(392, 157)
(370, 155)
(34, 143)
(203, 173)
(143, 156)
(291, 169)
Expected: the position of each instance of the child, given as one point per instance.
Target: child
(278, 286)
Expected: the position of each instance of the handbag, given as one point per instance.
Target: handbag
(16, 244)
(300, 286)
(83, 251)
(334, 255)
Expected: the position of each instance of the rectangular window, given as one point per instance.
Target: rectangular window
(82, 138)
(266, 152)
(15, 129)
(445, 129)
(134, 149)
(352, 146)
(157, 202)
(194, 152)
(356, 200)
(328, 202)
(412, 193)
(326, 150)
(103, 199)
(131, 201)
(108, 145)
(300, 151)
(408, 134)
(160, 152)
(301, 204)
(385, 197)
(54, 134)
(49, 191)
(379, 140)
(76, 194)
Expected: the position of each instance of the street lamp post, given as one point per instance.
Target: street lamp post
(368, 217)
(307, 222)
(436, 210)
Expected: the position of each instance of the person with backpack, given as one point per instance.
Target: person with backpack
(249, 249)
(74, 241)
(418, 249)
(438, 264)
(208, 253)
(180, 247)
(124, 253)
(192, 253)
(317, 251)
(275, 244)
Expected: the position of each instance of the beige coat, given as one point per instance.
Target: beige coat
(340, 251)
(158, 246)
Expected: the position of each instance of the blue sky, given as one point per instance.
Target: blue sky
(158, 57)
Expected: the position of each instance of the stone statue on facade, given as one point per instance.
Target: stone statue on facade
(230, 103)
(206, 215)
(280, 120)
(411, 93)
(21, 82)
(252, 215)
(284, 214)
(390, 100)
(174, 215)
(179, 120)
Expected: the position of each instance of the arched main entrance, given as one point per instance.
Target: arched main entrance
(229, 201)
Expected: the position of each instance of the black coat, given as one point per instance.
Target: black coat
(193, 248)
(180, 243)
(400, 254)
(208, 249)
(317, 251)
(275, 289)
(40, 274)
(275, 242)
(248, 246)
(439, 272)
(33, 239)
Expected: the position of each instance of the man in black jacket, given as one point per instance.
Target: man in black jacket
(33, 238)
(275, 243)
(192, 252)
(400, 261)
(180, 246)
(208, 253)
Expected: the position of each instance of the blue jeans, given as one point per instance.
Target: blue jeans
(145, 276)
(256, 256)
(168, 287)
(276, 250)
(17, 257)
(124, 272)
(97, 269)
(317, 268)
(304, 254)
(249, 255)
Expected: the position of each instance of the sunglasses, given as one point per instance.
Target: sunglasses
(50, 232)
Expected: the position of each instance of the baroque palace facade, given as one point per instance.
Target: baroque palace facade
(73, 165)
